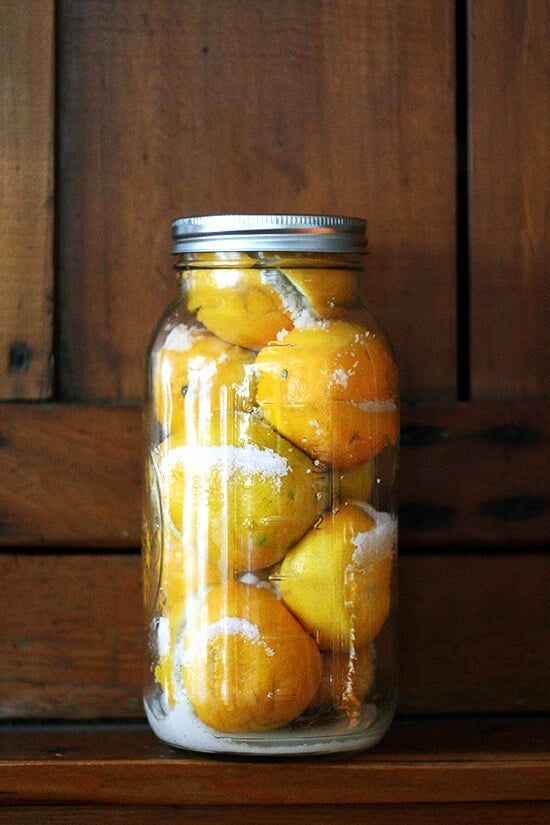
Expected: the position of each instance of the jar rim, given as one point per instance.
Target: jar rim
(275, 232)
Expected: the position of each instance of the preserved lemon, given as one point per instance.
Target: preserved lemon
(330, 388)
(197, 375)
(337, 579)
(243, 502)
(248, 664)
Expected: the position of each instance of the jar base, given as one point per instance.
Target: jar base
(181, 728)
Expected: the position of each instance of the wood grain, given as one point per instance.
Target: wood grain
(472, 632)
(328, 106)
(475, 474)
(133, 769)
(26, 198)
(70, 475)
(506, 813)
(510, 199)
(471, 474)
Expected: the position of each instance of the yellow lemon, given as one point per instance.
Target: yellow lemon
(328, 291)
(242, 306)
(241, 502)
(196, 375)
(184, 576)
(184, 581)
(337, 579)
(248, 665)
(355, 483)
(346, 679)
(251, 306)
(331, 388)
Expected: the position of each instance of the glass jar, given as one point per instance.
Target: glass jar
(269, 531)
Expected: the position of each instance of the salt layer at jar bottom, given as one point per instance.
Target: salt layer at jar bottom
(180, 727)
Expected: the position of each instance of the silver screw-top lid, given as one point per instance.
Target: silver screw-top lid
(281, 233)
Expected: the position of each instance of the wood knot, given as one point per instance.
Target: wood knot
(422, 435)
(19, 357)
(424, 515)
(512, 435)
(515, 508)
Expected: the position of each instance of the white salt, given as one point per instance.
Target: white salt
(307, 319)
(236, 626)
(340, 376)
(227, 626)
(252, 579)
(163, 636)
(207, 367)
(379, 542)
(181, 338)
(230, 459)
(294, 303)
(387, 405)
(228, 277)
(180, 726)
(233, 626)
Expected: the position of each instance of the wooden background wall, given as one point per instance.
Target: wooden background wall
(428, 118)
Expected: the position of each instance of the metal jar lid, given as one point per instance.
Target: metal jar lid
(281, 233)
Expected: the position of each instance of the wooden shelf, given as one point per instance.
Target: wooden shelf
(422, 765)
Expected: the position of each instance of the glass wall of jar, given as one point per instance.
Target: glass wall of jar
(270, 530)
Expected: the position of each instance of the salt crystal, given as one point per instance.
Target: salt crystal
(206, 366)
(387, 405)
(181, 338)
(228, 626)
(294, 302)
(379, 542)
(230, 460)
(227, 277)
(233, 626)
(163, 636)
(340, 376)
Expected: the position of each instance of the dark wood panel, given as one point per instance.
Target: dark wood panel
(507, 813)
(70, 475)
(168, 109)
(26, 198)
(472, 631)
(72, 644)
(453, 761)
(475, 474)
(471, 474)
(510, 186)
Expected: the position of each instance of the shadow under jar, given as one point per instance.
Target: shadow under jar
(269, 533)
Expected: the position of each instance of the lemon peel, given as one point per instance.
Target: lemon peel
(330, 388)
(337, 578)
(242, 503)
(247, 664)
(195, 376)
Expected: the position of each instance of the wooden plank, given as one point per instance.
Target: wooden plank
(70, 475)
(508, 813)
(324, 106)
(472, 631)
(26, 198)
(75, 650)
(510, 214)
(471, 474)
(475, 474)
(112, 767)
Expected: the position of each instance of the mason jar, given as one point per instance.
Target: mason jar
(271, 422)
